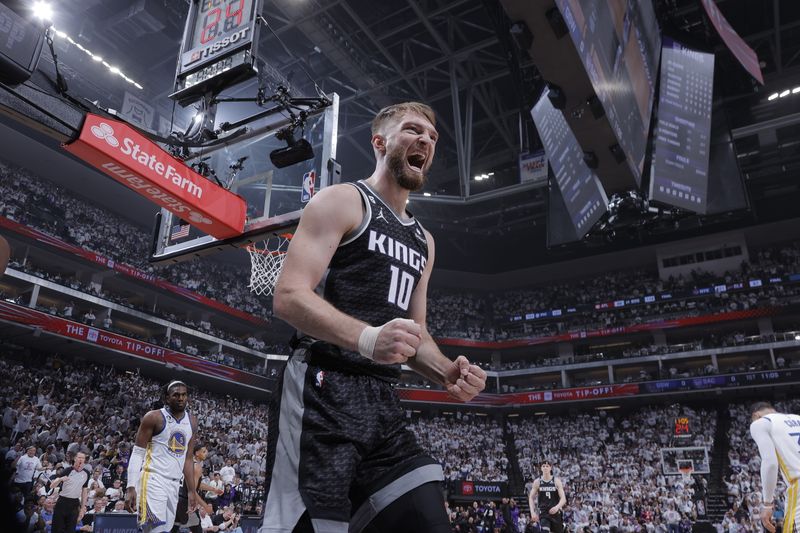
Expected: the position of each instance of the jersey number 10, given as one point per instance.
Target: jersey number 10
(400, 288)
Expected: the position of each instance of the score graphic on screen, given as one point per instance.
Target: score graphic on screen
(219, 47)
(682, 428)
(679, 174)
(219, 17)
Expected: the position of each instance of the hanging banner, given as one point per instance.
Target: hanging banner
(533, 168)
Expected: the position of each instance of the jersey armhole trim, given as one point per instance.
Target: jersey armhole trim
(367, 218)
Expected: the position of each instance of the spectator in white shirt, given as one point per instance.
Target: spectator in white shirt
(27, 465)
(227, 472)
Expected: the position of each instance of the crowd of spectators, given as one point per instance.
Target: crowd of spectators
(61, 408)
(466, 314)
(610, 465)
(45, 206)
(607, 460)
(490, 517)
(742, 476)
(612, 286)
(468, 447)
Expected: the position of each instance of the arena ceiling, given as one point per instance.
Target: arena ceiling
(457, 56)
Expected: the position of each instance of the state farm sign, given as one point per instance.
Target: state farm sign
(140, 164)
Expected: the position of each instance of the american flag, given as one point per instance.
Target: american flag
(179, 231)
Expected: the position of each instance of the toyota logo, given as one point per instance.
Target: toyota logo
(106, 132)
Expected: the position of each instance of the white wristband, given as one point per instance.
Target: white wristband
(367, 341)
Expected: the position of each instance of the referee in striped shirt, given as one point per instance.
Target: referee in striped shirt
(71, 503)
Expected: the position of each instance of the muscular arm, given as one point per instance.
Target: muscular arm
(330, 215)
(461, 379)
(150, 424)
(532, 499)
(562, 498)
(147, 428)
(759, 430)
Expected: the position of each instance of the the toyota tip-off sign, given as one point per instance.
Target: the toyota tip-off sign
(135, 161)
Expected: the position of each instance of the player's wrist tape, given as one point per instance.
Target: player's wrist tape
(367, 341)
(135, 465)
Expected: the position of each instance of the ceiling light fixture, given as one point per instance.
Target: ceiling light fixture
(784, 93)
(43, 11)
(95, 57)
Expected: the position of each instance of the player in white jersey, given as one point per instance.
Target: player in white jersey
(159, 462)
(778, 438)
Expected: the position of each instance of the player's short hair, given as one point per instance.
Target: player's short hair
(760, 406)
(389, 112)
(197, 447)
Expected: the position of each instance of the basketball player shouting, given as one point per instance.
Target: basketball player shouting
(544, 490)
(354, 284)
(159, 462)
(778, 438)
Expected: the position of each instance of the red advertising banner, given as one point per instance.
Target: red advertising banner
(525, 398)
(127, 270)
(135, 161)
(746, 55)
(620, 330)
(75, 330)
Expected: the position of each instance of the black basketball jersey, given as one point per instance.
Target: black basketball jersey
(374, 271)
(548, 494)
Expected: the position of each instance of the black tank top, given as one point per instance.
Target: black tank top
(548, 494)
(373, 274)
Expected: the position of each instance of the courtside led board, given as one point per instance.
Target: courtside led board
(219, 47)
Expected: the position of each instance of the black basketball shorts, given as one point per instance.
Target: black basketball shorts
(554, 523)
(338, 448)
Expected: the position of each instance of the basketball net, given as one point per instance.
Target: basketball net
(266, 264)
(686, 473)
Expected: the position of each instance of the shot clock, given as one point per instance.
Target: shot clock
(218, 49)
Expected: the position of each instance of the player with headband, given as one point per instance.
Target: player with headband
(159, 462)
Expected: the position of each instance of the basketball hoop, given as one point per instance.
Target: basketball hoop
(266, 263)
(686, 471)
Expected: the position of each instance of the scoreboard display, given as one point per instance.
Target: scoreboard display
(219, 47)
(682, 428)
(217, 18)
(584, 196)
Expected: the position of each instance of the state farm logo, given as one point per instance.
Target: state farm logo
(105, 132)
(149, 158)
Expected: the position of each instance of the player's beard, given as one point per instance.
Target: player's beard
(397, 165)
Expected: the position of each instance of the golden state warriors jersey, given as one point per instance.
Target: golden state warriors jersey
(785, 433)
(166, 451)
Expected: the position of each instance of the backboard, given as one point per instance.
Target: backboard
(275, 197)
(675, 459)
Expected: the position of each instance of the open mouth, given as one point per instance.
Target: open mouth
(416, 162)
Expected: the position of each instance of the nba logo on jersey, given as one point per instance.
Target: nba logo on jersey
(308, 186)
(177, 443)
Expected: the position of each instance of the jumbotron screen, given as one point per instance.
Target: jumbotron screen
(682, 135)
(619, 44)
(583, 194)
